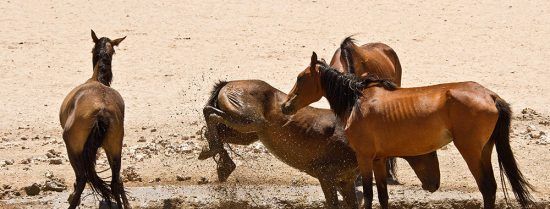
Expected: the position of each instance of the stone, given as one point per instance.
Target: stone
(56, 161)
(55, 185)
(182, 178)
(203, 180)
(33, 189)
(142, 139)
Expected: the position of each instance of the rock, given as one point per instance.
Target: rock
(203, 180)
(182, 178)
(141, 139)
(536, 135)
(9, 162)
(529, 111)
(56, 161)
(154, 130)
(143, 128)
(26, 161)
(130, 174)
(53, 154)
(530, 128)
(54, 185)
(32, 190)
(48, 174)
(185, 138)
(157, 179)
(24, 138)
(6, 187)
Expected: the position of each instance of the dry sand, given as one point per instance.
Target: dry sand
(176, 50)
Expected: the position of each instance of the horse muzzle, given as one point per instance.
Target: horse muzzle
(287, 109)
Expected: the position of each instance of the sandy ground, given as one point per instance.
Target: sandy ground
(175, 51)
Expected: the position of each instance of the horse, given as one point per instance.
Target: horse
(383, 120)
(92, 116)
(371, 59)
(245, 111)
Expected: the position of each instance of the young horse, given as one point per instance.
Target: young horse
(312, 140)
(92, 116)
(421, 120)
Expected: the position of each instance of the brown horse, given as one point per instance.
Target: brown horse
(92, 116)
(312, 140)
(372, 58)
(383, 120)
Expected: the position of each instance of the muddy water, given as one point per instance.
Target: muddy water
(261, 196)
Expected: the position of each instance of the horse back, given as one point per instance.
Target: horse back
(395, 116)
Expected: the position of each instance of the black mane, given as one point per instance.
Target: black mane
(343, 90)
(103, 58)
(345, 52)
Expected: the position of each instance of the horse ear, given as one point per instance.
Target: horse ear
(313, 62)
(94, 37)
(117, 41)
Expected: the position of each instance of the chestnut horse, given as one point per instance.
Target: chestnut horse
(371, 59)
(92, 116)
(312, 140)
(382, 120)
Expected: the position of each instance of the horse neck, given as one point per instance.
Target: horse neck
(102, 72)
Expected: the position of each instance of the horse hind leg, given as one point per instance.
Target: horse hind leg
(79, 185)
(479, 163)
(113, 148)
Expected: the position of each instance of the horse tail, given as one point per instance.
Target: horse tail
(213, 100)
(506, 160)
(346, 53)
(94, 141)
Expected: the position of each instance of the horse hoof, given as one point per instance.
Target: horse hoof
(225, 169)
(207, 153)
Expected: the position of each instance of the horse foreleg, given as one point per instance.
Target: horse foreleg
(365, 167)
(380, 174)
(331, 197)
(347, 187)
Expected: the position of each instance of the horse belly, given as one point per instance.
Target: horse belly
(413, 142)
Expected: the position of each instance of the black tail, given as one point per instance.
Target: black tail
(213, 100)
(506, 160)
(346, 48)
(94, 141)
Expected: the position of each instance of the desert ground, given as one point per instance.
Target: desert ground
(176, 50)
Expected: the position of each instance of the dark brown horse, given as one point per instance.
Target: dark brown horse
(312, 140)
(382, 120)
(92, 116)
